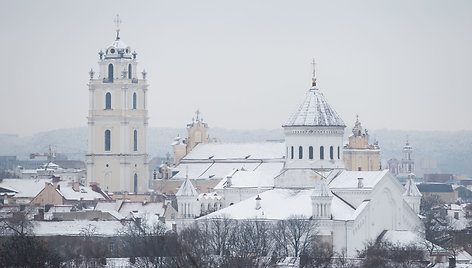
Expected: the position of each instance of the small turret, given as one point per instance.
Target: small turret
(412, 195)
(187, 200)
(321, 200)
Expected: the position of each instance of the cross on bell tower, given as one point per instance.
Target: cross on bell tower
(117, 22)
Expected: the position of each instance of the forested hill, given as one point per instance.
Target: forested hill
(451, 150)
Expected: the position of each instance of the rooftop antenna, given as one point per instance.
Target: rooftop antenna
(117, 21)
(313, 79)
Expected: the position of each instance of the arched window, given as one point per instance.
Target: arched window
(110, 73)
(135, 147)
(107, 140)
(129, 71)
(291, 153)
(321, 152)
(108, 101)
(300, 152)
(339, 154)
(134, 100)
(331, 152)
(135, 183)
(310, 152)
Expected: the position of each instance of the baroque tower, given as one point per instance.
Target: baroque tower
(408, 164)
(117, 159)
(359, 154)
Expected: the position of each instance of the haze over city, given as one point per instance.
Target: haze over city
(245, 64)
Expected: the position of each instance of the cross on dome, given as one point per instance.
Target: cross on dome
(313, 79)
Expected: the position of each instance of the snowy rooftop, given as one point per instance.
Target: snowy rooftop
(262, 176)
(405, 238)
(243, 151)
(122, 210)
(85, 193)
(314, 110)
(282, 204)
(28, 188)
(76, 228)
(350, 179)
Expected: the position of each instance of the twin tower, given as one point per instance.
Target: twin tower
(117, 158)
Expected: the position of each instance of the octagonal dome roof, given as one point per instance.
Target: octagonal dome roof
(314, 110)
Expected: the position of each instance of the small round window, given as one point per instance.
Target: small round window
(112, 50)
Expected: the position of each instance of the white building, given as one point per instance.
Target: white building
(351, 207)
(117, 122)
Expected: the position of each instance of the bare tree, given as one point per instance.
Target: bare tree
(294, 235)
(386, 254)
(20, 248)
(147, 243)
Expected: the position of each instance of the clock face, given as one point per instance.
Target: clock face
(112, 50)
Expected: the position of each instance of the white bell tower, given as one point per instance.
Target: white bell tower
(117, 159)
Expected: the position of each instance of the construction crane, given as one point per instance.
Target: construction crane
(50, 155)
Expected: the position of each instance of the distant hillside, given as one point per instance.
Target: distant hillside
(451, 150)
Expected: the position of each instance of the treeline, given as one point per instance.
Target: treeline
(215, 242)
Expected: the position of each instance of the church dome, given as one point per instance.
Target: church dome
(118, 49)
(314, 110)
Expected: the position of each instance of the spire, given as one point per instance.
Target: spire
(313, 79)
(117, 21)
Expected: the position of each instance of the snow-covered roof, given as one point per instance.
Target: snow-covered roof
(411, 189)
(187, 189)
(118, 44)
(27, 188)
(247, 151)
(350, 179)
(314, 110)
(262, 176)
(148, 207)
(85, 193)
(278, 204)
(405, 238)
(124, 209)
(76, 228)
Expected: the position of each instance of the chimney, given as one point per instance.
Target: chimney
(258, 202)
(360, 183)
(75, 186)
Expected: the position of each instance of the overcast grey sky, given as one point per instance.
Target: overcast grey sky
(244, 64)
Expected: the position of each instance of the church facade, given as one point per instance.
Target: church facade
(350, 207)
(117, 158)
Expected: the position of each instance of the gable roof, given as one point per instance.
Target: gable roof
(314, 110)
